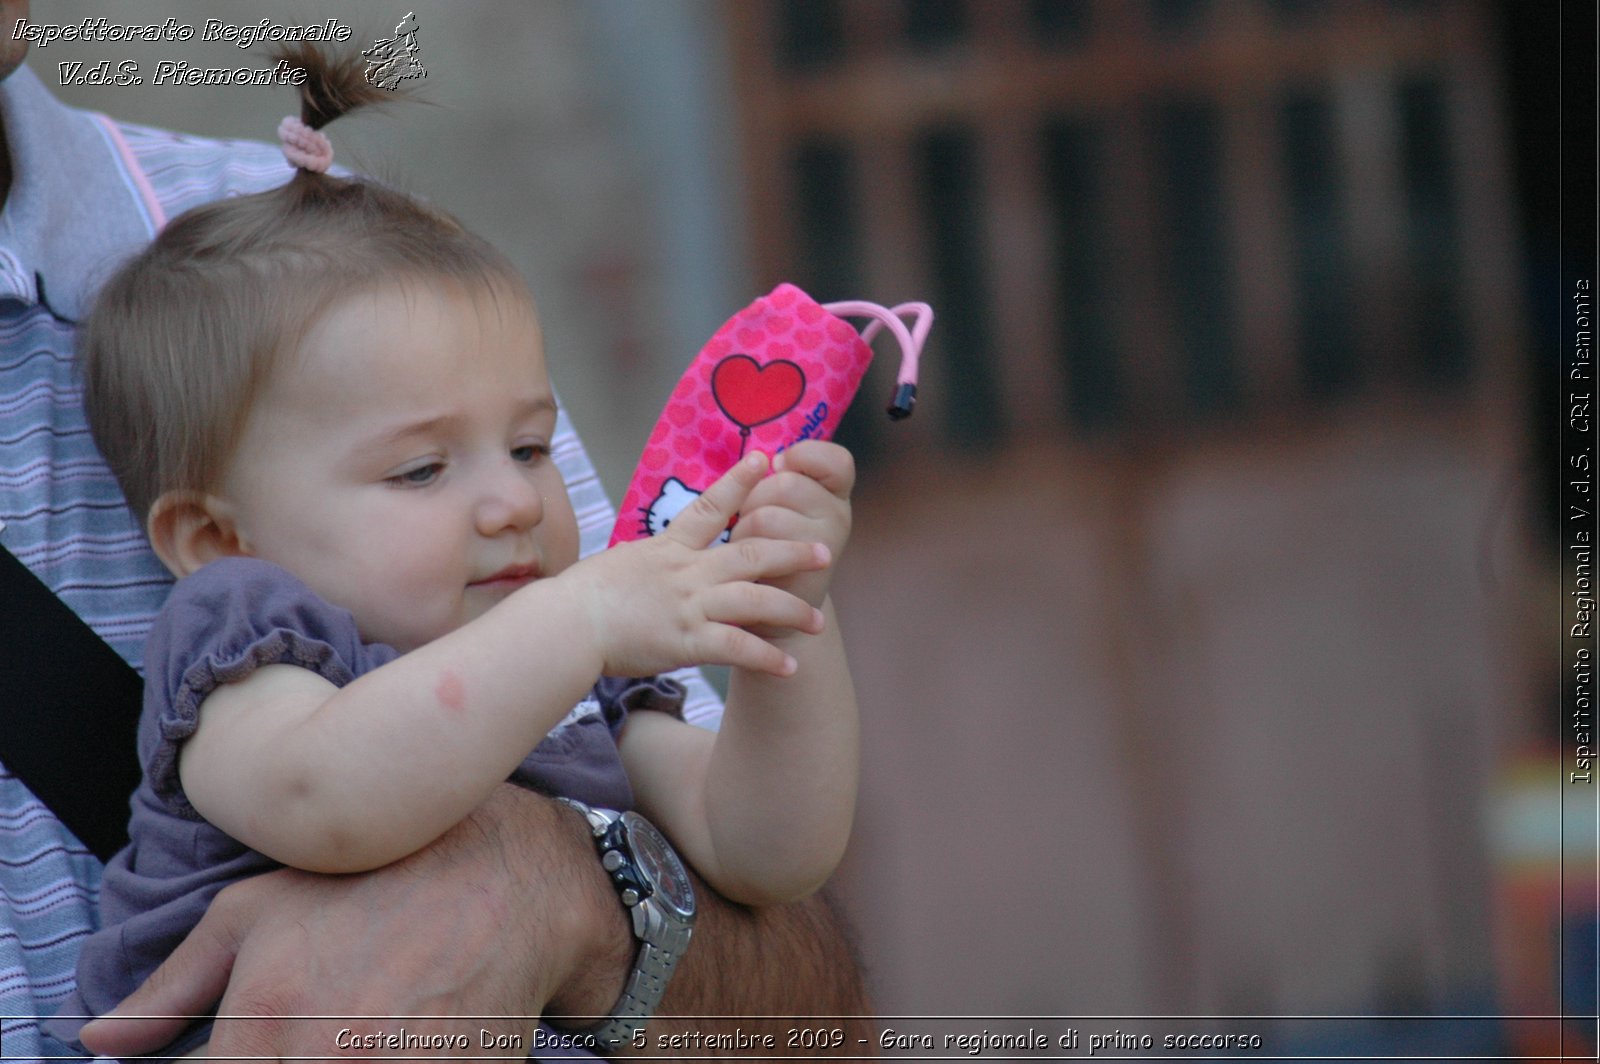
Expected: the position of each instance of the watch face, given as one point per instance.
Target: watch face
(660, 865)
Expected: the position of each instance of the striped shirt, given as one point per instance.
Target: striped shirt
(87, 192)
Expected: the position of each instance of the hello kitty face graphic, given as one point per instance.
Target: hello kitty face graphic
(674, 496)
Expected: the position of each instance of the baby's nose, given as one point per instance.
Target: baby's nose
(511, 502)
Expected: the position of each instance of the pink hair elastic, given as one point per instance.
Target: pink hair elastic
(304, 147)
(780, 371)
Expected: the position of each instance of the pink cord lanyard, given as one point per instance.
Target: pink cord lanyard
(910, 341)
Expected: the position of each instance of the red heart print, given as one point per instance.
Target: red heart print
(752, 394)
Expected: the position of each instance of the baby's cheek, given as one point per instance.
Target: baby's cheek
(420, 611)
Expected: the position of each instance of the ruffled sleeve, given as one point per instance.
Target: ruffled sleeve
(218, 626)
(618, 696)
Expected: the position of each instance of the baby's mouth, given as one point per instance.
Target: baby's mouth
(510, 576)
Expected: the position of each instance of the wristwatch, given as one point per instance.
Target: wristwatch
(655, 888)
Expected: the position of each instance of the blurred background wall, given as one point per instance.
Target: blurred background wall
(1198, 616)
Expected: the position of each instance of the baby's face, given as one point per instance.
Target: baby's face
(400, 462)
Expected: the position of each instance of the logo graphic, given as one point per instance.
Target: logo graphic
(391, 61)
(675, 497)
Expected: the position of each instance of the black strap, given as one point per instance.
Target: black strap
(69, 711)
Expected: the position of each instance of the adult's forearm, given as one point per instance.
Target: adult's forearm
(509, 915)
(785, 972)
(754, 972)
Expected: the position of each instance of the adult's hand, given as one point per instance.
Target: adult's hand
(505, 913)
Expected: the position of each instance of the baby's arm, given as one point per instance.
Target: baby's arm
(763, 809)
(344, 779)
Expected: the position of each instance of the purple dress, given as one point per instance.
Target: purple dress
(218, 626)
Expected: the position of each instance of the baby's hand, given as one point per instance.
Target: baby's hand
(680, 599)
(806, 500)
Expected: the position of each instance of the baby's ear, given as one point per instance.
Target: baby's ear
(189, 529)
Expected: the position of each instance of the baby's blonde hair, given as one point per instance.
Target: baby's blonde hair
(183, 336)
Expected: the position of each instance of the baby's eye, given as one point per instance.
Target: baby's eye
(530, 452)
(418, 476)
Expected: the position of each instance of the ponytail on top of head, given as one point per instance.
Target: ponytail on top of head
(330, 85)
(334, 85)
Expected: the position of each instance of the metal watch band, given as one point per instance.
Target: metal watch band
(598, 820)
(652, 969)
(662, 942)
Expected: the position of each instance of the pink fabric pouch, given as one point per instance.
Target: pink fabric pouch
(780, 371)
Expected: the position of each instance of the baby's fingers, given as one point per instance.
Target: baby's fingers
(703, 520)
(826, 462)
(762, 606)
(758, 558)
(741, 649)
